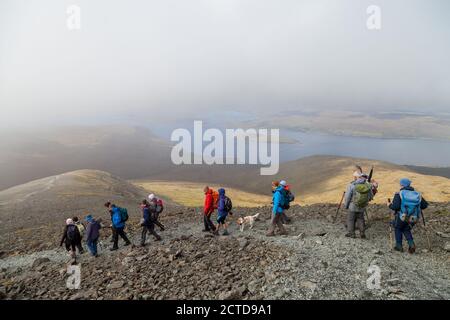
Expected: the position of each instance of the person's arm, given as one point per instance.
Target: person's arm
(423, 204)
(396, 203)
(276, 201)
(89, 231)
(208, 204)
(348, 196)
(221, 205)
(64, 236)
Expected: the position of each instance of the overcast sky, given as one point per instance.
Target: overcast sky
(174, 57)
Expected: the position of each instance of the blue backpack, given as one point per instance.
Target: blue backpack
(410, 206)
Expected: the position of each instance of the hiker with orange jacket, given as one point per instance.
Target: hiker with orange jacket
(208, 209)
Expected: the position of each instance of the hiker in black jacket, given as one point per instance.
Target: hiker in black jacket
(148, 221)
(71, 237)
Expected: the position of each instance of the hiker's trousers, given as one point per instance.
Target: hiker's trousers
(209, 225)
(277, 222)
(119, 232)
(355, 219)
(92, 246)
(402, 228)
(151, 229)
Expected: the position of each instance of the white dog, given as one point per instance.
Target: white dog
(242, 221)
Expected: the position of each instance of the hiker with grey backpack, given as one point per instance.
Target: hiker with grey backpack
(357, 197)
(407, 206)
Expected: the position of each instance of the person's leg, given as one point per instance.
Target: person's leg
(89, 245)
(408, 236)
(73, 247)
(351, 216)
(160, 225)
(123, 235)
(143, 235)
(80, 247)
(205, 223)
(210, 223)
(273, 223)
(94, 247)
(280, 224)
(360, 224)
(398, 237)
(151, 228)
(115, 239)
(286, 219)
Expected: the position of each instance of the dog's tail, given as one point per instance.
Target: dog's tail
(257, 215)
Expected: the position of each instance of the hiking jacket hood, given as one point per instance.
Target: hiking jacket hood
(221, 205)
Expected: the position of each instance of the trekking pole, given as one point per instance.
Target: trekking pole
(367, 215)
(391, 244)
(426, 231)
(339, 207)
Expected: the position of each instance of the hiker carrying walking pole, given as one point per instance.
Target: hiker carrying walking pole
(407, 206)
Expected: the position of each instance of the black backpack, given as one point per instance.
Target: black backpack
(72, 233)
(228, 205)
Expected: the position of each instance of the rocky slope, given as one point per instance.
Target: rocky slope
(315, 261)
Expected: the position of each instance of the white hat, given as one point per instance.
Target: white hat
(357, 174)
(69, 221)
(151, 196)
(283, 183)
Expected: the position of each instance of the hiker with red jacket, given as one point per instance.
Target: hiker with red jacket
(208, 209)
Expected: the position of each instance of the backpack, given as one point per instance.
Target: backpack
(123, 214)
(410, 206)
(284, 203)
(81, 228)
(228, 205)
(72, 233)
(215, 196)
(361, 195)
(159, 206)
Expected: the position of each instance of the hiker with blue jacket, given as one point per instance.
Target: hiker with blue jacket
(407, 206)
(149, 217)
(223, 209)
(279, 202)
(118, 226)
(357, 197)
(92, 234)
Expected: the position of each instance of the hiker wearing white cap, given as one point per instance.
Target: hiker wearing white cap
(71, 237)
(357, 197)
(158, 208)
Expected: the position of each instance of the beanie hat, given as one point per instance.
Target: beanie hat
(151, 196)
(283, 183)
(405, 182)
(69, 221)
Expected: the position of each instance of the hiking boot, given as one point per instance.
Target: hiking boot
(398, 248)
(350, 235)
(114, 249)
(270, 234)
(158, 239)
(206, 230)
(127, 243)
(363, 236)
(412, 249)
(225, 233)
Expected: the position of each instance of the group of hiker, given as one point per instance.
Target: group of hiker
(281, 199)
(407, 205)
(75, 230)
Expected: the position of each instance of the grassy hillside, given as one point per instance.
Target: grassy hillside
(191, 193)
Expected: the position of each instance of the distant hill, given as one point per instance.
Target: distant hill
(58, 197)
(129, 152)
(441, 172)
